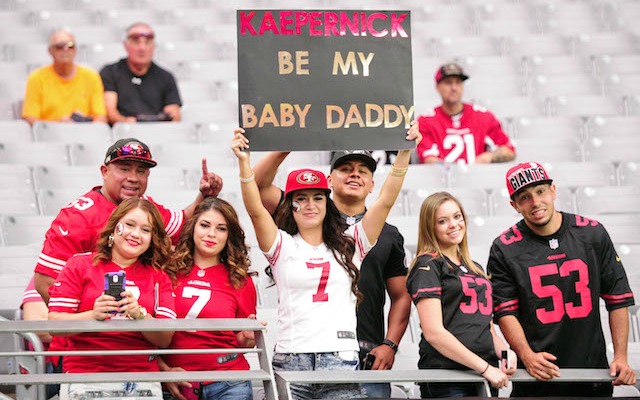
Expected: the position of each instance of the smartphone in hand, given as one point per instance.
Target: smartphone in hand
(114, 284)
(504, 361)
(369, 359)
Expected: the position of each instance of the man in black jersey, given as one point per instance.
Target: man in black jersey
(351, 181)
(548, 273)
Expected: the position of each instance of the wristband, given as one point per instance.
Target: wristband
(247, 179)
(389, 343)
(485, 370)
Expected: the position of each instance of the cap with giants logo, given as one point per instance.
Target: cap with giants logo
(129, 149)
(306, 179)
(525, 174)
(451, 69)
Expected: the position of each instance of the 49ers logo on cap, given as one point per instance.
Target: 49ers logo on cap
(308, 178)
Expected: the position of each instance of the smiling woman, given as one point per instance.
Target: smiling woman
(134, 247)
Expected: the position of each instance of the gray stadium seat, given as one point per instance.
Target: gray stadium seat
(19, 200)
(609, 200)
(155, 133)
(15, 131)
(70, 132)
(18, 230)
(34, 153)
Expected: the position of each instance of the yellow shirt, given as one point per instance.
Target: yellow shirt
(50, 97)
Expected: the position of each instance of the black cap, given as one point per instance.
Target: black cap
(340, 157)
(129, 149)
(451, 69)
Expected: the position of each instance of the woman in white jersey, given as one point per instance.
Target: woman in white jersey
(315, 259)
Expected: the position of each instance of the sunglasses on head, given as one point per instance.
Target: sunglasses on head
(63, 45)
(134, 150)
(136, 36)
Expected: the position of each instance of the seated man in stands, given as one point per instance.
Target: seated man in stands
(136, 88)
(457, 132)
(64, 91)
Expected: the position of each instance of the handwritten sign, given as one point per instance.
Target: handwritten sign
(325, 80)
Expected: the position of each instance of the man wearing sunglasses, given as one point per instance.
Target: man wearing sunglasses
(125, 172)
(64, 91)
(136, 88)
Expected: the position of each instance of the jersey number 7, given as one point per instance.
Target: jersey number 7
(560, 307)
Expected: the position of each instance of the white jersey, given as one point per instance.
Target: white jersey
(316, 308)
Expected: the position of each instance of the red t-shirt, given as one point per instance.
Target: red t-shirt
(207, 293)
(77, 226)
(75, 291)
(460, 138)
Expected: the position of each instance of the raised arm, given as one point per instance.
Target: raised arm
(210, 186)
(374, 219)
(265, 172)
(266, 229)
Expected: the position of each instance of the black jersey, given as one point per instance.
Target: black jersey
(385, 260)
(466, 308)
(552, 285)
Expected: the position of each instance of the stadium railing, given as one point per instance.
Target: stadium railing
(26, 328)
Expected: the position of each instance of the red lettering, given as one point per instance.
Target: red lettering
(268, 24)
(396, 25)
(582, 221)
(345, 23)
(330, 22)
(372, 29)
(301, 20)
(511, 236)
(285, 20)
(245, 23)
(363, 24)
(315, 20)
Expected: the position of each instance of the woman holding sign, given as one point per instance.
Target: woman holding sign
(315, 258)
(124, 278)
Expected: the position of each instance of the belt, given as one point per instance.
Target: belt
(367, 345)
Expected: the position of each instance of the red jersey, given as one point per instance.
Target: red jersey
(462, 137)
(207, 293)
(78, 286)
(77, 226)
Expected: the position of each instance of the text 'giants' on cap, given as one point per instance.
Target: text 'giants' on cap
(525, 174)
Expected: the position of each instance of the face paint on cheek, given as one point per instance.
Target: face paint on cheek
(296, 206)
(119, 229)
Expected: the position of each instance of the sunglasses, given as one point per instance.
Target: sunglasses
(129, 150)
(137, 36)
(64, 45)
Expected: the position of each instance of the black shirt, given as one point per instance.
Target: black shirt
(147, 94)
(466, 308)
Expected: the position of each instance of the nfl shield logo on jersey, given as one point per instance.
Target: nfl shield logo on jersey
(553, 243)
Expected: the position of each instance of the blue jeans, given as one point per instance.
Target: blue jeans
(376, 390)
(238, 390)
(347, 361)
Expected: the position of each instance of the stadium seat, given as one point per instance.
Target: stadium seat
(474, 200)
(219, 111)
(16, 176)
(18, 230)
(32, 54)
(86, 34)
(613, 126)
(155, 133)
(462, 46)
(495, 87)
(16, 260)
(548, 128)
(54, 153)
(513, 106)
(609, 43)
(70, 132)
(91, 154)
(562, 149)
(613, 149)
(97, 54)
(166, 178)
(564, 85)
(122, 18)
(53, 19)
(52, 200)
(568, 18)
(576, 174)
(616, 64)
(609, 200)
(518, 46)
(584, 105)
(195, 92)
(78, 178)
(18, 200)
(10, 34)
(15, 131)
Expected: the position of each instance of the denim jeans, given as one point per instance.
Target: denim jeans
(376, 390)
(347, 360)
(238, 390)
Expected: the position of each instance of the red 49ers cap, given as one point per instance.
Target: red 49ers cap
(306, 179)
(525, 174)
(451, 69)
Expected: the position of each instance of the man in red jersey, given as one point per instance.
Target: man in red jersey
(457, 132)
(125, 173)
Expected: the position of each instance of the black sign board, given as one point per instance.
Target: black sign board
(325, 79)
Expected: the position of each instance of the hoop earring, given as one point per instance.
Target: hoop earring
(110, 241)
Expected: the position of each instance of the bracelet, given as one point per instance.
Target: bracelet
(249, 179)
(485, 370)
(395, 171)
(390, 343)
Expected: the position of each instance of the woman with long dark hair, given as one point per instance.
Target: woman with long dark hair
(453, 297)
(132, 249)
(211, 265)
(315, 259)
